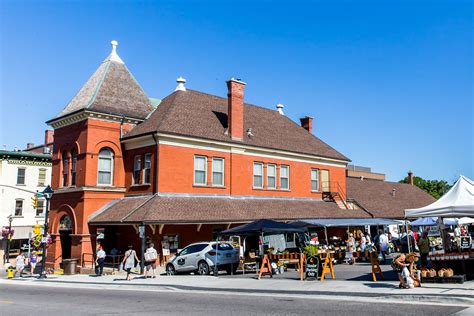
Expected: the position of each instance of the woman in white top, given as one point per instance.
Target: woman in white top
(129, 261)
(20, 264)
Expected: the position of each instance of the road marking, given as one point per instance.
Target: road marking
(6, 302)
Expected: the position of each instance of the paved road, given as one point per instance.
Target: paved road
(35, 300)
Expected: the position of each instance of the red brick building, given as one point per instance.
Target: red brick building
(185, 167)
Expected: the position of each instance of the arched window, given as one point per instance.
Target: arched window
(106, 167)
(65, 168)
(73, 166)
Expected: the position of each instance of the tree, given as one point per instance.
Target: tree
(436, 188)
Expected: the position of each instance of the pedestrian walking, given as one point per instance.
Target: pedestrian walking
(33, 262)
(100, 261)
(383, 244)
(350, 249)
(151, 255)
(20, 264)
(129, 261)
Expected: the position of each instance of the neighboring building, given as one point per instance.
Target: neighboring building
(383, 199)
(186, 167)
(46, 148)
(22, 174)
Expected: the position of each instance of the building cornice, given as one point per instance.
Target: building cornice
(89, 189)
(86, 114)
(204, 144)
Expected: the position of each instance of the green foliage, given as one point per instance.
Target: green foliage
(436, 188)
(311, 250)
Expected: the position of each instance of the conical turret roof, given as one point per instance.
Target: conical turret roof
(112, 89)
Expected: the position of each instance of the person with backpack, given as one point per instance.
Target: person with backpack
(151, 255)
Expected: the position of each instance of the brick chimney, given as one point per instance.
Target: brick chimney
(48, 136)
(410, 177)
(307, 123)
(235, 108)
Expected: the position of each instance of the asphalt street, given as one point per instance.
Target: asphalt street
(34, 300)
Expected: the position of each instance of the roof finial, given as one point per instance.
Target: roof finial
(113, 55)
(181, 81)
(280, 108)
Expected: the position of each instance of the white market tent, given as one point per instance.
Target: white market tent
(457, 202)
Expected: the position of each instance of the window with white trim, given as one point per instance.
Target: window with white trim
(18, 207)
(40, 208)
(200, 170)
(42, 177)
(284, 177)
(73, 167)
(271, 176)
(314, 180)
(20, 177)
(137, 169)
(147, 168)
(258, 175)
(65, 168)
(106, 166)
(217, 171)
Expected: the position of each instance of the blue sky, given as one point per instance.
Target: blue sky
(389, 83)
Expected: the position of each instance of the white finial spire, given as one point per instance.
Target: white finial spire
(181, 81)
(280, 108)
(113, 55)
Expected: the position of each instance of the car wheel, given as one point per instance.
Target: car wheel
(203, 268)
(170, 270)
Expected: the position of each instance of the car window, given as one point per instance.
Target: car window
(193, 249)
(223, 247)
(185, 251)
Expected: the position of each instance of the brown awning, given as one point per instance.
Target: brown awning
(157, 209)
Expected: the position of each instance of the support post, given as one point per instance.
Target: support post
(141, 230)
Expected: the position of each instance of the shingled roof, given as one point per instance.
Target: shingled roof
(112, 89)
(197, 114)
(386, 199)
(164, 209)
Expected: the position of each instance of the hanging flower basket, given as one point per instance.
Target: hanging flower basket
(7, 232)
(36, 242)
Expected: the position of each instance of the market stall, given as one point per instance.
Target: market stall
(265, 256)
(456, 260)
(336, 245)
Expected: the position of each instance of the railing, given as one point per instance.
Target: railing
(334, 187)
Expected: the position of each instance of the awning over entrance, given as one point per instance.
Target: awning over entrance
(348, 222)
(156, 209)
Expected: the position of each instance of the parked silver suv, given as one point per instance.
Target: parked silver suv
(201, 258)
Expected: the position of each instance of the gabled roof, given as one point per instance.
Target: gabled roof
(165, 209)
(386, 199)
(112, 89)
(197, 114)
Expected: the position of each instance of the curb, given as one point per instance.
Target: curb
(425, 298)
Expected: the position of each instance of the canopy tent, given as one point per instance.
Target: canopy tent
(465, 220)
(347, 222)
(263, 226)
(432, 221)
(457, 202)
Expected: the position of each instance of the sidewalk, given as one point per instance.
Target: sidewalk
(462, 294)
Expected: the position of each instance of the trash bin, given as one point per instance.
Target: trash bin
(69, 266)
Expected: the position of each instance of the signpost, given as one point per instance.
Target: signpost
(312, 268)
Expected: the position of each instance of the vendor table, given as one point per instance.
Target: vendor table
(461, 263)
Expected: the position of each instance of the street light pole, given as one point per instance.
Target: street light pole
(10, 220)
(47, 193)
